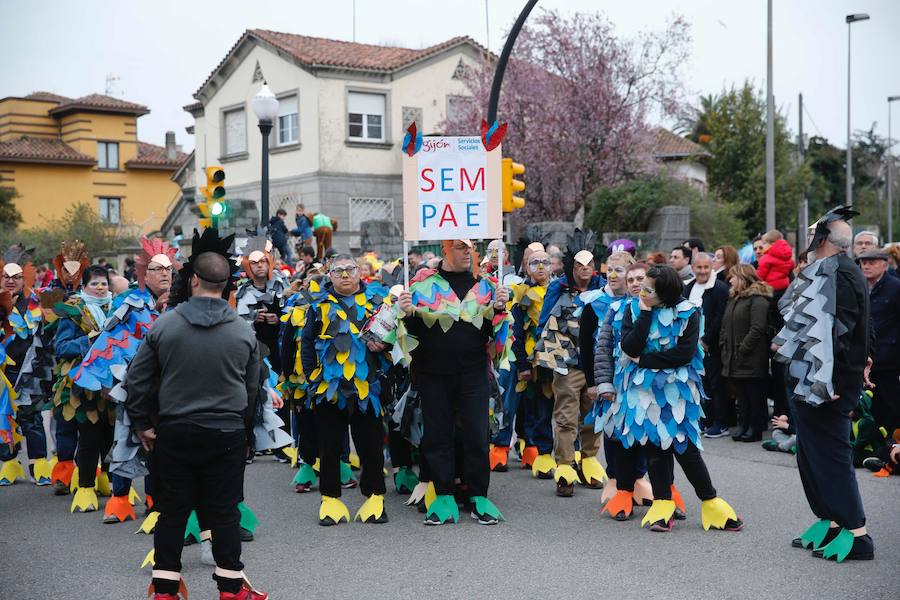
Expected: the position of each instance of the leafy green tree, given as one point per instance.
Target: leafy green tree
(694, 124)
(630, 207)
(737, 171)
(9, 214)
(80, 221)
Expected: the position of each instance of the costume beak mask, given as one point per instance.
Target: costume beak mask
(256, 256)
(71, 267)
(162, 260)
(584, 257)
(820, 233)
(12, 269)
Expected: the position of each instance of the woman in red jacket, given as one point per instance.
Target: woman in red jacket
(777, 261)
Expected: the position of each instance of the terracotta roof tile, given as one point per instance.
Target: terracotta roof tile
(323, 52)
(151, 156)
(670, 145)
(31, 149)
(47, 96)
(101, 103)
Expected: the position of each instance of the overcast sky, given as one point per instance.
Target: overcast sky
(163, 50)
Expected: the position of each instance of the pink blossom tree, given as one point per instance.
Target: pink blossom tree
(576, 98)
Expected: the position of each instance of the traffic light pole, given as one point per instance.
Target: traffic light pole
(504, 58)
(495, 96)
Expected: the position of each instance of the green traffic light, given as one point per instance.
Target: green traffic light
(217, 209)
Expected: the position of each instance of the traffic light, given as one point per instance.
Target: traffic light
(213, 205)
(511, 186)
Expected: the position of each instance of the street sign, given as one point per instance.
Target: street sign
(452, 190)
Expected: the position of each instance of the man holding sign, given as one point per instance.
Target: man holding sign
(459, 321)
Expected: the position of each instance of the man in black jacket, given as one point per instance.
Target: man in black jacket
(711, 294)
(189, 389)
(884, 296)
(278, 231)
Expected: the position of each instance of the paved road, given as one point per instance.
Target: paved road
(547, 548)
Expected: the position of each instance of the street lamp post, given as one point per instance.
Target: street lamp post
(265, 106)
(851, 19)
(890, 182)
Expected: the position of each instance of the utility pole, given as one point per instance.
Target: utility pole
(770, 131)
(803, 212)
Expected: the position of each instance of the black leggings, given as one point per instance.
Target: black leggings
(368, 437)
(660, 466)
(94, 442)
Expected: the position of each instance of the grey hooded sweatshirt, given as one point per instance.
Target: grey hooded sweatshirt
(198, 364)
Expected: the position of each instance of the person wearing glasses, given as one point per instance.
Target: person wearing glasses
(658, 391)
(344, 375)
(592, 316)
(20, 314)
(105, 361)
(456, 323)
(531, 384)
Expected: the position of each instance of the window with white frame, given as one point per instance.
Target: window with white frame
(235, 131)
(110, 210)
(366, 116)
(288, 121)
(108, 155)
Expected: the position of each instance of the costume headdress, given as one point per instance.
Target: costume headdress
(208, 241)
(17, 260)
(154, 250)
(580, 249)
(71, 262)
(840, 213)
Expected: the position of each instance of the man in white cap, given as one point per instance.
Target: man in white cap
(557, 350)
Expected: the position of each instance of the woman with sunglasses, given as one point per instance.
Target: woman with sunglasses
(658, 393)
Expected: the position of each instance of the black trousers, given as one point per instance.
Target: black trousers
(751, 396)
(451, 402)
(94, 442)
(368, 437)
(309, 435)
(400, 449)
(660, 467)
(202, 469)
(825, 460)
(714, 408)
(886, 399)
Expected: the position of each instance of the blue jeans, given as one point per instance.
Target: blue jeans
(31, 423)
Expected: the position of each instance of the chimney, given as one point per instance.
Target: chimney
(171, 149)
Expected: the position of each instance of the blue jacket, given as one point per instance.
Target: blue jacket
(884, 300)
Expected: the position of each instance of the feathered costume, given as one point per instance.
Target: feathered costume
(436, 303)
(347, 372)
(659, 406)
(248, 299)
(20, 322)
(106, 362)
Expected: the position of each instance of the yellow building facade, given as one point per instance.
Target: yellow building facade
(57, 151)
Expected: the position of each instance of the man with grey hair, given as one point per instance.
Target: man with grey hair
(864, 241)
(826, 342)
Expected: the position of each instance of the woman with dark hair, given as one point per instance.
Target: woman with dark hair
(724, 258)
(659, 365)
(745, 351)
(81, 318)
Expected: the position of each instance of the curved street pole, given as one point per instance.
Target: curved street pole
(504, 57)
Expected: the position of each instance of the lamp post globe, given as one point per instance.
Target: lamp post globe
(265, 107)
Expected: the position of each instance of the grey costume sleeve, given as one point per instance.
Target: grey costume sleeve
(604, 365)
